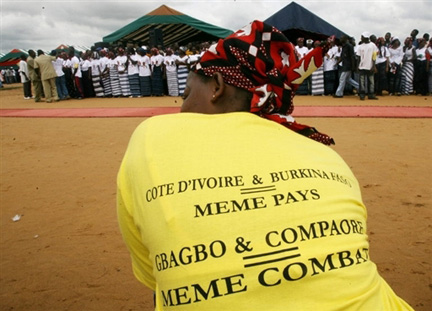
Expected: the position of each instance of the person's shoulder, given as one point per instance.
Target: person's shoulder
(164, 120)
(158, 128)
(173, 121)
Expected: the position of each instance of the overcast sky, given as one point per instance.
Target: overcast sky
(30, 24)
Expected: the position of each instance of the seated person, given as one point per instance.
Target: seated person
(233, 205)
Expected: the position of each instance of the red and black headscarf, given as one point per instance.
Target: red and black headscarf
(260, 59)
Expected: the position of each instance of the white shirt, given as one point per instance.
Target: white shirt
(85, 65)
(133, 69)
(156, 60)
(111, 63)
(194, 58)
(330, 59)
(95, 67)
(421, 54)
(367, 53)
(396, 55)
(23, 70)
(409, 53)
(67, 63)
(103, 63)
(184, 60)
(383, 55)
(170, 63)
(121, 63)
(302, 51)
(144, 66)
(76, 66)
(58, 66)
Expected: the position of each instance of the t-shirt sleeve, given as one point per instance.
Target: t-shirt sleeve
(141, 263)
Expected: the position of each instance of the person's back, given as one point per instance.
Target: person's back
(32, 73)
(232, 205)
(367, 53)
(44, 63)
(238, 211)
(347, 56)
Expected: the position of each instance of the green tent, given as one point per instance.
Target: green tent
(12, 58)
(172, 27)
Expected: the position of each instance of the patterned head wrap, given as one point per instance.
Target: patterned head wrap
(260, 59)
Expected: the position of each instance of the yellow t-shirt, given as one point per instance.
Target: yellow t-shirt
(234, 212)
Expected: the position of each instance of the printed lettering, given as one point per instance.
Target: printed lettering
(234, 284)
(159, 191)
(339, 178)
(323, 226)
(263, 280)
(196, 293)
(316, 263)
(296, 196)
(308, 234)
(360, 257)
(345, 259)
(210, 183)
(292, 271)
(178, 294)
(182, 186)
(167, 298)
(289, 235)
(199, 291)
(189, 255)
(307, 173)
(224, 207)
(334, 228)
(295, 271)
(315, 230)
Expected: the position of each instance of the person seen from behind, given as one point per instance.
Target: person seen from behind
(367, 53)
(233, 205)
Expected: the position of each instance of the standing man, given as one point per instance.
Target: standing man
(367, 52)
(387, 38)
(34, 77)
(301, 50)
(348, 66)
(330, 70)
(413, 35)
(45, 69)
(76, 73)
(61, 78)
(25, 80)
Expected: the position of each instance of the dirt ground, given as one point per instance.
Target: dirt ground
(66, 252)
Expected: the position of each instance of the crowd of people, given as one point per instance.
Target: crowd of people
(375, 66)
(108, 72)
